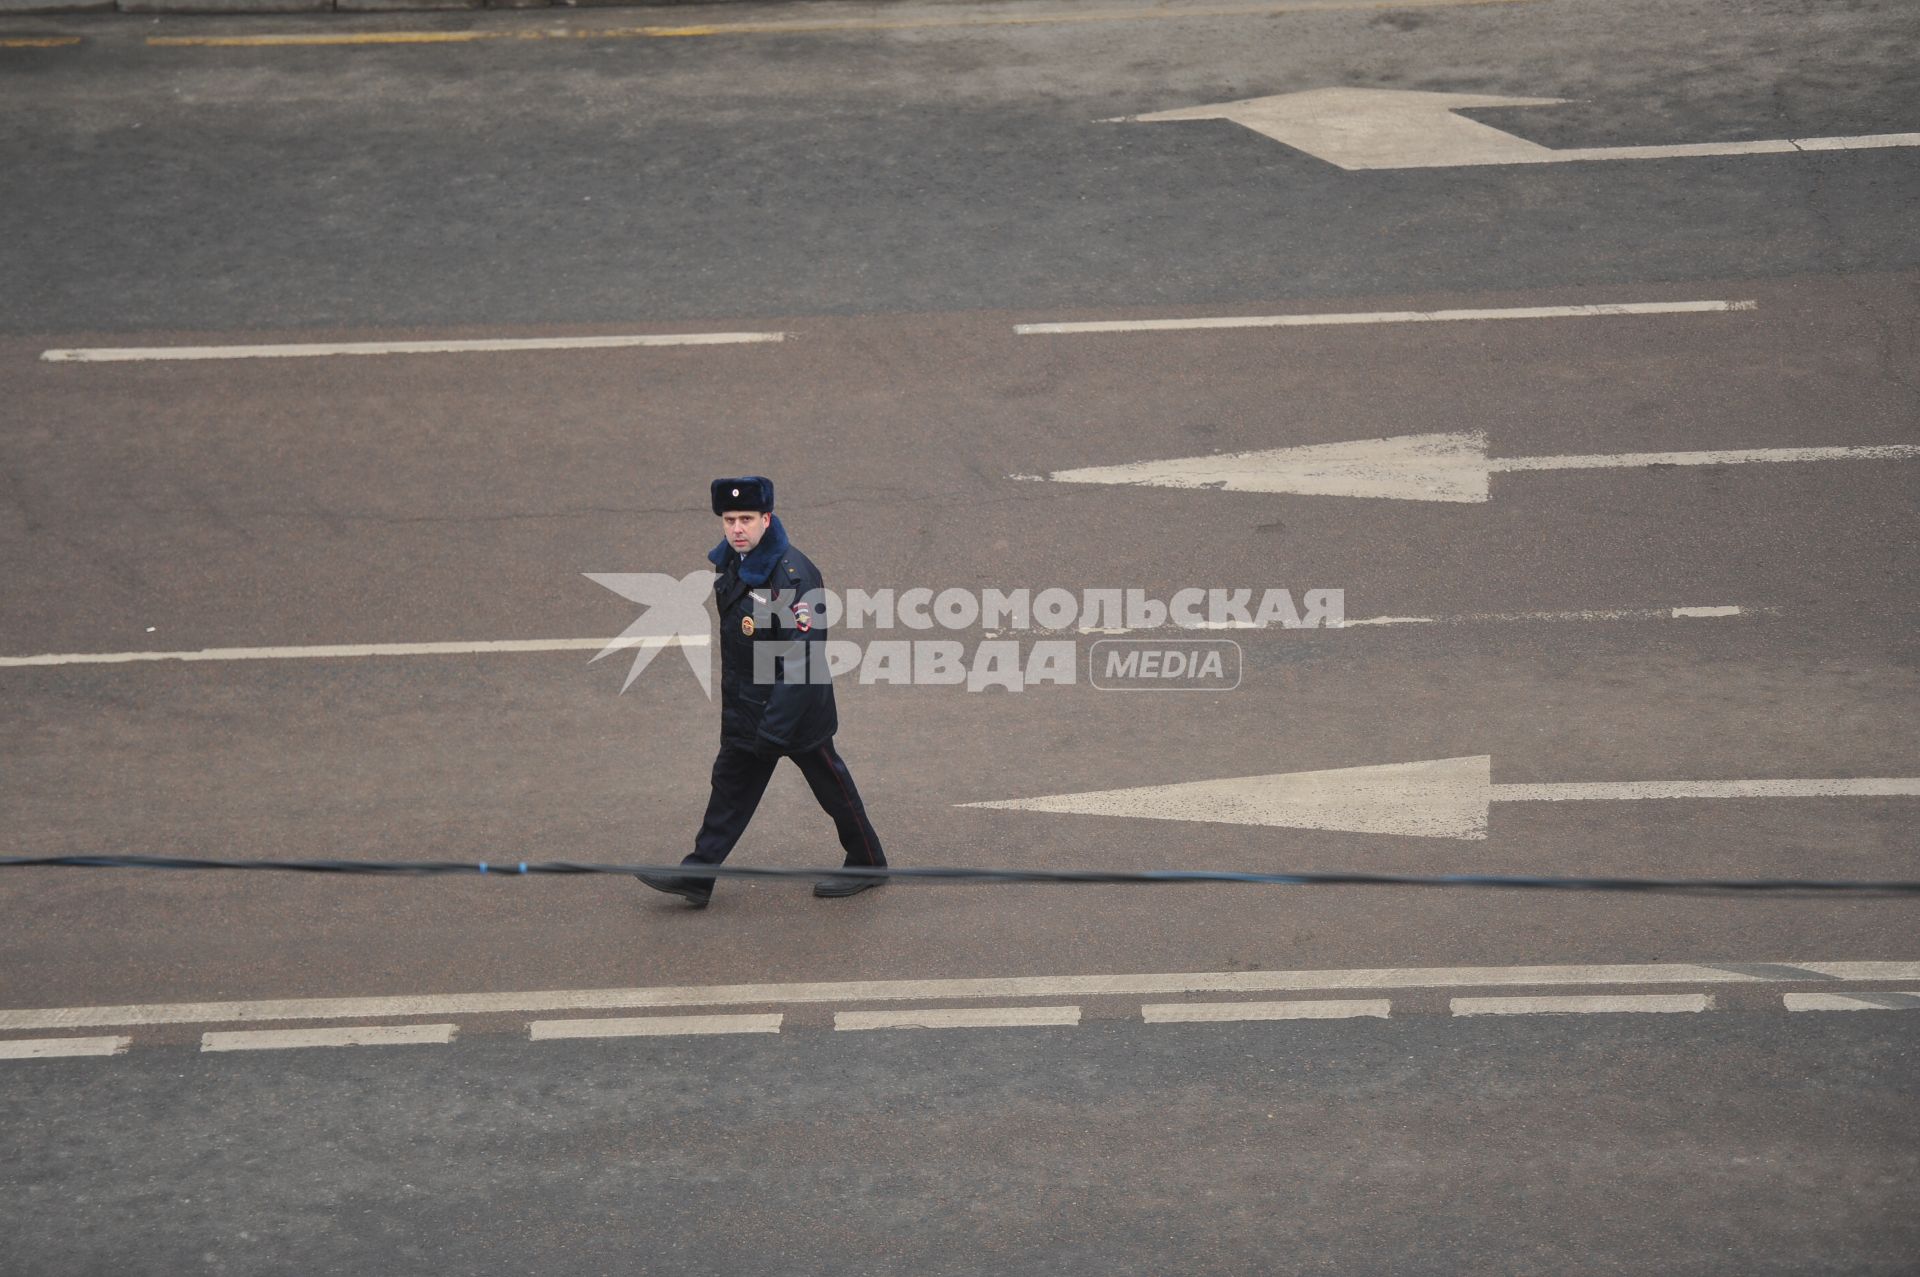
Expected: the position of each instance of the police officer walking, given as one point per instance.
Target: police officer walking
(779, 705)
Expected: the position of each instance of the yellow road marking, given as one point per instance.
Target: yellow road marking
(363, 37)
(39, 42)
(810, 28)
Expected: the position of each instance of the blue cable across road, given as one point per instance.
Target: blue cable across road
(1336, 878)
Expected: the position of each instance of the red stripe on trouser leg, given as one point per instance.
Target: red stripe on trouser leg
(854, 809)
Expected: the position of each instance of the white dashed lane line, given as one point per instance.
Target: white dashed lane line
(653, 1026)
(1210, 1012)
(1601, 1004)
(1222, 1012)
(356, 1035)
(959, 1018)
(1156, 985)
(1221, 1007)
(50, 1048)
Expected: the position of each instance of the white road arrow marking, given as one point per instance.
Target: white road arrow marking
(1435, 467)
(1397, 129)
(1440, 798)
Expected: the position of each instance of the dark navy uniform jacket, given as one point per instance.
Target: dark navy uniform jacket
(764, 603)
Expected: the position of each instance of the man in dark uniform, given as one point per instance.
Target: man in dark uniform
(776, 696)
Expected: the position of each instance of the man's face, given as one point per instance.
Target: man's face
(745, 528)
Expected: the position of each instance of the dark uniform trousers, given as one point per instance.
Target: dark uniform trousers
(740, 777)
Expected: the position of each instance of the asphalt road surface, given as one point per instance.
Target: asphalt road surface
(1677, 622)
(1429, 1146)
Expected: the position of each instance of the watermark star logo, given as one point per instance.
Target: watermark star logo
(675, 615)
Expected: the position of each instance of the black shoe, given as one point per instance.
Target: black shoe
(834, 888)
(695, 891)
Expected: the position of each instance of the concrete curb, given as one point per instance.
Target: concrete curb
(33, 8)
(231, 8)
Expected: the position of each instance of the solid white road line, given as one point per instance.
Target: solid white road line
(1164, 985)
(959, 1018)
(653, 1026)
(352, 649)
(1220, 1012)
(1901, 1000)
(484, 646)
(357, 1035)
(1472, 618)
(1593, 614)
(1616, 790)
(1715, 457)
(49, 1048)
(1385, 317)
(146, 354)
(1767, 146)
(1583, 1005)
